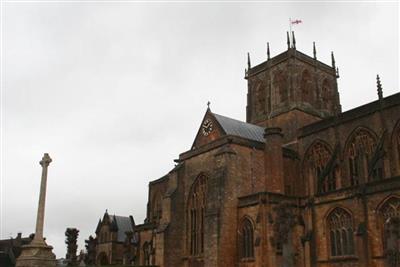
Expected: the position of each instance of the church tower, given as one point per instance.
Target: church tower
(291, 90)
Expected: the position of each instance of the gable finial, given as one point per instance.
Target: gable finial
(293, 40)
(208, 104)
(333, 60)
(337, 72)
(268, 55)
(288, 40)
(248, 61)
(379, 86)
(314, 51)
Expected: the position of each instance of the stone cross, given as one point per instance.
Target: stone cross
(38, 253)
(42, 200)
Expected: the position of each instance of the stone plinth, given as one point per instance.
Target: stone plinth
(36, 255)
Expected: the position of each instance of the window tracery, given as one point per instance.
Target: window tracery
(341, 233)
(360, 150)
(390, 222)
(196, 212)
(318, 157)
(390, 209)
(246, 239)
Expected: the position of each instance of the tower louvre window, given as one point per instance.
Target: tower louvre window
(326, 93)
(306, 87)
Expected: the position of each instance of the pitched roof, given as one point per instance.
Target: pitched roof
(124, 224)
(240, 128)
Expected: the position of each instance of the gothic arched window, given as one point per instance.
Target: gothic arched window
(359, 152)
(196, 212)
(390, 209)
(246, 239)
(326, 93)
(390, 224)
(280, 80)
(340, 226)
(260, 97)
(317, 159)
(306, 87)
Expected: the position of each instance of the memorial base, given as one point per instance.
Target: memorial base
(36, 255)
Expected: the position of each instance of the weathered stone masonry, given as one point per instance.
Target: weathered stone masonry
(300, 183)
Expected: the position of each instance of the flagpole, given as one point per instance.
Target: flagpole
(290, 29)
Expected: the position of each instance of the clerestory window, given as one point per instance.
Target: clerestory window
(317, 159)
(360, 150)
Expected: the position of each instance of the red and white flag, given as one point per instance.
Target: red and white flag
(296, 21)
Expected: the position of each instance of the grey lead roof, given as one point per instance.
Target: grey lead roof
(124, 224)
(240, 128)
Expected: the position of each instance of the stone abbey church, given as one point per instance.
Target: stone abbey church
(299, 184)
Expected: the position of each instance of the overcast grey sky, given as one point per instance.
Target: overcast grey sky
(115, 91)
